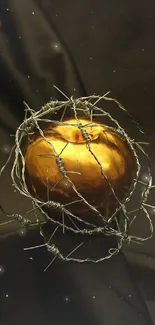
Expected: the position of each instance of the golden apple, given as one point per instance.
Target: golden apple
(113, 153)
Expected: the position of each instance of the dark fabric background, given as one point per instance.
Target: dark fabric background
(83, 47)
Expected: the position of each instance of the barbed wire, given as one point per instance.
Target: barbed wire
(86, 106)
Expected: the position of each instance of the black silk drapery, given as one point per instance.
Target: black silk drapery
(81, 47)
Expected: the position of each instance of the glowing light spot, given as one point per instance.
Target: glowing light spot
(22, 232)
(56, 47)
(2, 269)
(66, 299)
(6, 149)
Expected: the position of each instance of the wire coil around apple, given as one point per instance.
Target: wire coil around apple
(88, 107)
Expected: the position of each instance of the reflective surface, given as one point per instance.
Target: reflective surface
(82, 48)
(114, 157)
